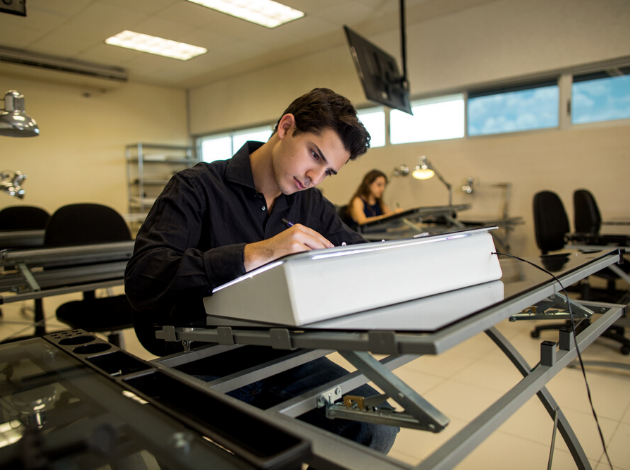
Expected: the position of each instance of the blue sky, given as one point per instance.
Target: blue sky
(515, 111)
(605, 99)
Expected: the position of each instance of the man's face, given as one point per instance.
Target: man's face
(304, 160)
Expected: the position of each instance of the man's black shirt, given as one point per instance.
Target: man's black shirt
(194, 237)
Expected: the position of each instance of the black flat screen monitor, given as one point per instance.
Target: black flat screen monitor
(378, 71)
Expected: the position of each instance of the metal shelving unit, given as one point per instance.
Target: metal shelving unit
(149, 168)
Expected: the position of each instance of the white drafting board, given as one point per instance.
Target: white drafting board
(322, 284)
(426, 314)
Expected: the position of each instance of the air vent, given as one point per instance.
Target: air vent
(18, 57)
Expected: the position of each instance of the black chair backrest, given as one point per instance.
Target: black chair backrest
(342, 212)
(550, 221)
(23, 218)
(77, 224)
(586, 217)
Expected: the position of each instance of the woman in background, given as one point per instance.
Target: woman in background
(366, 205)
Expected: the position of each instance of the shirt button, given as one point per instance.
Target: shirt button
(263, 208)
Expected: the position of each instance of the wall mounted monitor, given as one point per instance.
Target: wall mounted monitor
(378, 72)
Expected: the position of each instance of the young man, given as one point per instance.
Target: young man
(214, 222)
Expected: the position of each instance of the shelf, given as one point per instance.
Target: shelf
(144, 182)
(142, 201)
(151, 182)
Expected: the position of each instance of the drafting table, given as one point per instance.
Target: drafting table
(403, 332)
(71, 400)
(412, 217)
(403, 228)
(21, 238)
(45, 272)
(619, 236)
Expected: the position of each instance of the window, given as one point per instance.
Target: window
(223, 146)
(433, 119)
(259, 134)
(601, 96)
(374, 121)
(513, 109)
(217, 147)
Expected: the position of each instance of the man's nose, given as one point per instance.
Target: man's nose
(316, 176)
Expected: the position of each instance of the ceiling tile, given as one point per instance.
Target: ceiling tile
(61, 44)
(147, 6)
(191, 14)
(17, 37)
(209, 39)
(113, 16)
(144, 59)
(163, 28)
(308, 27)
(107, 55)
(309, 6)
(62, 7)
(349, 12)
(37, 20)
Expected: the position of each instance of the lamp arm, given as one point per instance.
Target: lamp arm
(448, 186)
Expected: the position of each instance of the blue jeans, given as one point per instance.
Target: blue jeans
(291, 383)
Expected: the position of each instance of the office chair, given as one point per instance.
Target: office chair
(79, 224)
(23, 218)
(26, 218)
(342, 212)
(551, 225)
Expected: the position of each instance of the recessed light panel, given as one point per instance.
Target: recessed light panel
(263, 12)
(155, 45)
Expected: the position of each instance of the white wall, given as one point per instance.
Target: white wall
(495, 41)
(80, 154)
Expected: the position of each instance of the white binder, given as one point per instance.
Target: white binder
(323, 284)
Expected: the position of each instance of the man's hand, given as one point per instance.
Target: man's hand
(293, 240)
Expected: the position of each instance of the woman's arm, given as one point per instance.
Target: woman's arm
(356, 211)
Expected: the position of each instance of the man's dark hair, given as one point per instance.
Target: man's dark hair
(322, 108)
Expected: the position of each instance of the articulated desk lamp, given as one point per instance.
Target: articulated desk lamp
(425, 170)
(14, 122)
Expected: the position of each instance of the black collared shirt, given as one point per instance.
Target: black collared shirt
(194, 237)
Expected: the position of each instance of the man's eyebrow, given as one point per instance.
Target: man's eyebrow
(323, 157)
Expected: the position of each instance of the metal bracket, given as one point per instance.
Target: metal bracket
(28, 275)
(419, 414)
(553, 308)
(329, 397)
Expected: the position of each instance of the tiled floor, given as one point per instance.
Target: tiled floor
(467, 379)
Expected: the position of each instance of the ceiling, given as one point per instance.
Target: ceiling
(75, 30)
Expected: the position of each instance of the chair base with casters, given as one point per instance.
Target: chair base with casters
(104, 315)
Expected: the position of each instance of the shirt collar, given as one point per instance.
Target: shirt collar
(239, 168)
(239, 171)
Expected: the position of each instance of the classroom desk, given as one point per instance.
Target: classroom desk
(403, 332)
(21, 238)
(71, 400)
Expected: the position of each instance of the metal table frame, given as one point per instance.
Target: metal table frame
(77, 268)
(402, 348)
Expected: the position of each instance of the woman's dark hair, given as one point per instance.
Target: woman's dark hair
(322, 108)
(363, 191)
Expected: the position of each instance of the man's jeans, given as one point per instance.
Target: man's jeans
(273, 390)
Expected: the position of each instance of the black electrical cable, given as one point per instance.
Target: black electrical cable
(588, 389)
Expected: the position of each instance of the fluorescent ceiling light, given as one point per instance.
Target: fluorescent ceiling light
(155, 45)
(263, 12)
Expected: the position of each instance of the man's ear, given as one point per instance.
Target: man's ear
(285, 124)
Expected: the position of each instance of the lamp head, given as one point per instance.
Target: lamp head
(14, 122)
(423, 169)
(11, 182)
(402, 170)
